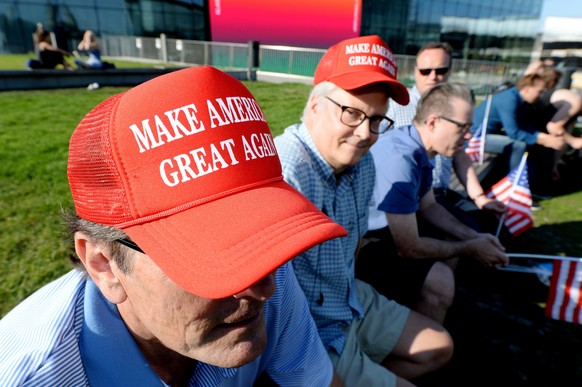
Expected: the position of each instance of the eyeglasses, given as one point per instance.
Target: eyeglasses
(130, 244)
(464, 126)
(353, 117)
(439, 71)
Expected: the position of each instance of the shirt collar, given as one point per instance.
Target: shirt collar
(415, 136)
(108, 350)
(414, 93)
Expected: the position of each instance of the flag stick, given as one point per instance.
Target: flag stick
(484, 130)
(541, 256)
(517, 177)
(501, 220)
(522, 269)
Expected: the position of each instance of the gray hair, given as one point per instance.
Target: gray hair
(320, 90)
(439, 99)
(105, 236)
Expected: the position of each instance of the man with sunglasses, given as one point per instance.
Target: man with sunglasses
(370, 339)
(411, 235)
(182, 232)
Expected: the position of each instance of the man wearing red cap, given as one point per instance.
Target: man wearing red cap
(370, 339)
(183, 231)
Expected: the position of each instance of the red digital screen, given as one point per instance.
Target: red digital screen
(300, 23)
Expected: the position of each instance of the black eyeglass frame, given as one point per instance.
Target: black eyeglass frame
(465, 126)
(438, 71)
(130, 244)
(364, 117)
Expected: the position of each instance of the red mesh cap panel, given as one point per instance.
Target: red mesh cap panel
(96, 186)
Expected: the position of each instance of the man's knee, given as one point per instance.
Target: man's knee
(425, 342)
(439, 284)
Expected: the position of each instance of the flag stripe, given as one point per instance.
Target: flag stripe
(513, 191)
(564, 301)
(473, 149)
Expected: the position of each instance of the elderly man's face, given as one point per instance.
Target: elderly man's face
(228, 332)
(341, 145)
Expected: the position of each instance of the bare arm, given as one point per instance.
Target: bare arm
(438, 216)
(551, 141)
(50, 47)
(484, 247)
(463, 167)
(568, 104)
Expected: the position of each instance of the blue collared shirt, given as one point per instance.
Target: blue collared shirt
(68, 334)
(403, 115)
(403, 175)
(326, 272)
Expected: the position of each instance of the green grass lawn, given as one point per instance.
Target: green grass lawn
(35, 127)
(16, 62)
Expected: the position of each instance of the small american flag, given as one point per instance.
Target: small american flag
(476, 146)
(564, 301)
(513, 191)
(473, 148)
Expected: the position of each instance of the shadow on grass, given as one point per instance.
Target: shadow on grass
(553, 239)
(570, 169)
(502, 336)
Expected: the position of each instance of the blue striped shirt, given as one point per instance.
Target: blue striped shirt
(403, 116)
(326, 272)
(41, 342)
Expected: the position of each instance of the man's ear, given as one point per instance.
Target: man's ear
(431, 121)
(98, 263)
(314, 103)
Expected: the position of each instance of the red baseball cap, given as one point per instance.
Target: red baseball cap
(359, 62)
(186, 165)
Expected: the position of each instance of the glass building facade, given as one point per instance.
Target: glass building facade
(501, 30)
(185, 19)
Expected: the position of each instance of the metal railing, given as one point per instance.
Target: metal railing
(482, 76)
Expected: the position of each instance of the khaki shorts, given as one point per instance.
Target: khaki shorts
(370, 340)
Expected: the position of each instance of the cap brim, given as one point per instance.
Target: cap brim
(251, 234)
(396, 90)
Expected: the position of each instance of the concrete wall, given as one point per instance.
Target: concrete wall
(57, 79)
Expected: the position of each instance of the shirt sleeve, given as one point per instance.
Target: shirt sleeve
(508, 110)
(298, 358)
(397, 185)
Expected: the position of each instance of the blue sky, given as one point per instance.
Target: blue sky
(561, 8)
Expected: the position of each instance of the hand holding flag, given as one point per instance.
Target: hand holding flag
(564, 299)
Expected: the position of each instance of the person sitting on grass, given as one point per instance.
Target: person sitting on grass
(89, 47)
(49, 56)
(371, 340)
(414, 242)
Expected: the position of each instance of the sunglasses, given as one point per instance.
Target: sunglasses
(439, 71)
